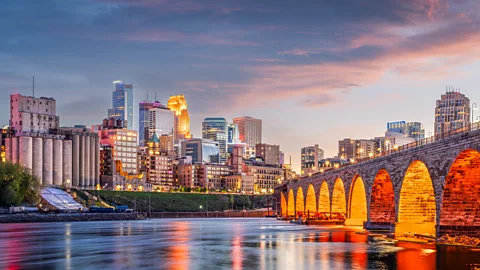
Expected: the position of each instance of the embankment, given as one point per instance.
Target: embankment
(28, 218)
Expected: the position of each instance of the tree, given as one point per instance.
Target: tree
(17, 186)
(231, 200)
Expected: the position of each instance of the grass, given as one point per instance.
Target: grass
(182, 202)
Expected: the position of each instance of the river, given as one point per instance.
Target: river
(211, 244)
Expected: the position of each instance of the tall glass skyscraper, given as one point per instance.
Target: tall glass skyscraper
(154, 118)
(413, 130)
(216, 129)
(122, 103)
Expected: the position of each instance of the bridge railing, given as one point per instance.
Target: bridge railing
(429, 140)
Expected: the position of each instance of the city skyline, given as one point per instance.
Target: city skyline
(297, 108)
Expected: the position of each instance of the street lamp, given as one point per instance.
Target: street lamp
(474, 107)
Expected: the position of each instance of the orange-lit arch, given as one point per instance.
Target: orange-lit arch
(357, 203)
(382, 200)
(416, 211)
(299, 202)
(283, 205)
(311, 204)
(461, 202)
(291, 204)
(324, 198)
(339, 204)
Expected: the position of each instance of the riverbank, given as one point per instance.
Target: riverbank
(250, 214)
(30, 218)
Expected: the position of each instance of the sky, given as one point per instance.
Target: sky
(315, 71)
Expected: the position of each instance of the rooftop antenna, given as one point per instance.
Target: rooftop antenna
(33, 86)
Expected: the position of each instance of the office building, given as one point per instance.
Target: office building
(413, 130)
(452, 112)
(159, 166)
(123, 143)
(154, 118)
(269, 153)
(181, 131)
(210, 175)
(32, 115)
(356, 148)
(201, 150)
(249, 129)
(233, 134)
(122, 103)
(310, 157)
(216, 129)
(238, 183)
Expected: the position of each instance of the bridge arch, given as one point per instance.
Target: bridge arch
(339, 204)
(311, 201)
(291, 204)
(324, 198)
(460, 209)
(417, 209)
(382, 199)
(283, 204)
(357, 208)
(299, 202)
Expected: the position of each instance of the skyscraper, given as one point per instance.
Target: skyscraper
(178, 104)
(233, 134)
(452, 112)
(154, 118)
(201, 150)
(216, 129)
(250, 130)
(413, 130)
(122, 103)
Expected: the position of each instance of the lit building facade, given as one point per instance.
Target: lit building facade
(32, 115)
(413, 130)
(310, 157)
(183, 173)
(238, 183)
(123, 143)
(178, 104)
(154, 118)
(210, 175)
(122, 103)
(233, 134)
(201, 150)
(269, 153)
(265, 177)
(159, 166)
(356, 149)
(452, 112)
(216, 129)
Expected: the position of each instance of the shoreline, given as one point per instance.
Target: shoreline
(75, 217)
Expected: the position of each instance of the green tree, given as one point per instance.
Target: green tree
(17, 186)
(231, 200)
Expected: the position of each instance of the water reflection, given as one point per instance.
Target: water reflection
(211, 244)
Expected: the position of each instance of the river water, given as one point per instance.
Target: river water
(212, 244)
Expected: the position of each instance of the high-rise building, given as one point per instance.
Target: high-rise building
(33, 115)
(452, 112)
(154, 118)
(122, 103)
(216, 129)
(181, 131)
(201, 150)
(269, 153)
(310, 158)
(233, 134)
(159, 166)
(123, 143)
(413, 130)
(250, 130)
(356, 149)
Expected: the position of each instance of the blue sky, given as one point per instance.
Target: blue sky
(314, 71)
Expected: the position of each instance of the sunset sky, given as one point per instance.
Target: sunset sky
(313, 71)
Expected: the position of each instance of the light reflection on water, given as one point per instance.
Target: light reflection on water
(211, 244)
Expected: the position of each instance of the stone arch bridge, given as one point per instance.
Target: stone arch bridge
(430, 187)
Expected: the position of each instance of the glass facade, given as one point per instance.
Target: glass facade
(216, 129)
(413, 130)
(154, 118)
(122, 103)
(201, 150)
